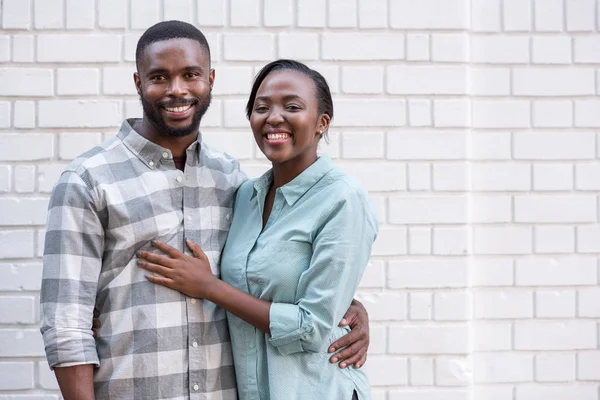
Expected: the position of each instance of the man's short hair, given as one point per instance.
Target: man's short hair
(169, 30)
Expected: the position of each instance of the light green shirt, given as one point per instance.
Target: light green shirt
(308, 262)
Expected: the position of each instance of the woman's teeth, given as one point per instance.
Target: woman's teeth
(178, 109)
(277, 136)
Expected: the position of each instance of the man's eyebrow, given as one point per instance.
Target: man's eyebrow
(166, 71)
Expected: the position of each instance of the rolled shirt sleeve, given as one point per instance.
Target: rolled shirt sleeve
(72, 263)
(341, 250)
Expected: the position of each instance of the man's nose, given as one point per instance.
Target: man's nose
(177, 87)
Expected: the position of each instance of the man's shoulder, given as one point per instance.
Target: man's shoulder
(222, 163)
(95, 156)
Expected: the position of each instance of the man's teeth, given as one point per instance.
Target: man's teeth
(277, 136)
(178, 109)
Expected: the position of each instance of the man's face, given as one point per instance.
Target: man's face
(174, 82)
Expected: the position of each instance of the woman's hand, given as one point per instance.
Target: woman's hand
(191, 276)
(356, 342)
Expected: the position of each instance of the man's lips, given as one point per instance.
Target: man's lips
(178, 111)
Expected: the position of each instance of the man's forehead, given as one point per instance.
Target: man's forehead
(174, 49)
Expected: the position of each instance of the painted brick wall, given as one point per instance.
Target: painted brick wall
(474, 124)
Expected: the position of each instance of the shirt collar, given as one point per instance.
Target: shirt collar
(148, 152)
(296, 188)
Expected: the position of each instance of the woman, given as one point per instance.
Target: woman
(300, 238)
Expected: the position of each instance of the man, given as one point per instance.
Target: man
(155, 180)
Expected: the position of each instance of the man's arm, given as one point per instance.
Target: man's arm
(77, 382)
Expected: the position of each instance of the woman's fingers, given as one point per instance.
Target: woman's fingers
(155, 258)
(161, 281)
(196, 250)
(168, 250)
(159, 269)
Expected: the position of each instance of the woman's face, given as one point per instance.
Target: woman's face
(285, 119)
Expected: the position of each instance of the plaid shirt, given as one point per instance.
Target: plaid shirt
(154, 343)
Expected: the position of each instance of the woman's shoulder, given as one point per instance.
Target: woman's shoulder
(343, 186)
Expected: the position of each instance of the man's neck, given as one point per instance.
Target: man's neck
(177, 145)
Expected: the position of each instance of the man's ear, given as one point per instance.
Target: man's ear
(211, 77)
(138, 83)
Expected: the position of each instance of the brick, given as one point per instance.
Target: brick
(24, 178)
(46, 377)
(23, 211)
(385, 306)
(341, 14)
(452, 306)
(453, 372)
(248, 47)
(500, 114)
(372, 14)
(427, 80)
(79, 114)
(118, 81)
(16, 244)
(554, 145)
(16, 14)
(80, 14)
(491, 336)
(555, 367)
(390, 242)
(551, 50)
(588, 366)
(451, 241)
(553, 82)
(431, 339)
(580, 15)
(144, 13)
(440, 209)
(112, 14)
(489, 81)
(298, 46)
(427, 273)
(502, 368)
(21, 343)
(555, 304)
(237, 144)
(552, 113)
(419, 112)
(587, 113)
(391, 371)
(181, 10)
(499, 49)
(503, 304)
(73, 144)
(15, 310)
(20, 277)
(490, 146)
(517, 15)
(554, 239)
(588, 239)
(24, 114)
(419, 241)
(428, 394)
(244, 13)
(548, 15)
(417, 47)
(278, 13)
(26, 146)
(48, 14)
(311, 13)
(419, 177)
(553, 176)
(4, 114)
(130, 43)
(378, 333)
(90, 48)
(211, 12)
(421, 371)
(39, 251)
(5, 178)
(23, 48)
(555, 208)
(549, 335)
(504, 392)
(485, 15)
(212, 118)
(363, 144)
(133, 109)
(452, 47)
(374, 275)
(17, 375)
(450, 177)
(502, 240)
(493, 176)
(380, 203)
(586, 49)
(380, 112)
(588, 300)
(331, 75)
(452, 113)
(234, 114)
(331, 146)
(420, 306)
(373, 46)
(39, 82)
(556, 271)
(492, 272)
(429, 14)
(77, 81)
(362, 80)
(426, 146)
(5, 49)
(48, 175)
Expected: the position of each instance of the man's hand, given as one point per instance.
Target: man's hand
(356, 342)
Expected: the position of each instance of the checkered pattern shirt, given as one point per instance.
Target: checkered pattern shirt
(154, 343)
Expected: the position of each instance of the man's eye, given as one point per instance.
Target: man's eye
(192, 75)
(157, 78)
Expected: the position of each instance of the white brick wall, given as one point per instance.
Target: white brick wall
(473, 123)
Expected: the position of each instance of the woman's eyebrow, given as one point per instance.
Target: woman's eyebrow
(286, 98)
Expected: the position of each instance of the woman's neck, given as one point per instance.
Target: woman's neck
(285, 172)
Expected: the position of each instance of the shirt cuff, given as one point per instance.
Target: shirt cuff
(69, 347)
(288, 328)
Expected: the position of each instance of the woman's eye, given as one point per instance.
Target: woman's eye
(293, 107)
(260, 109)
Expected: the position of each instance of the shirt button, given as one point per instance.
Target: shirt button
(227, 217)
(195, 344)
(165, 155)
(196, 387)
(151, 163)
(193, 301)
(179, 179)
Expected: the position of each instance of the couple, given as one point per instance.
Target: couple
(137, 229)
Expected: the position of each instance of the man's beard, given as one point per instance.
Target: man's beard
(152, 112)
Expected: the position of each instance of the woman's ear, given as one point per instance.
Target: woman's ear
(323, 126)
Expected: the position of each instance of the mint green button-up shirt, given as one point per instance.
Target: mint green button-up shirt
(307, 261)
